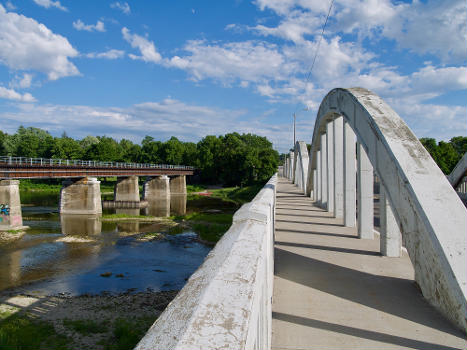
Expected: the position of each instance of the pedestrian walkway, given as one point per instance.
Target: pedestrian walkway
(335, 291)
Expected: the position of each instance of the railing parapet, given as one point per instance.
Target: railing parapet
(226, 303)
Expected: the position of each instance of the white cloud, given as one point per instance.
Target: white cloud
(10, 6)
(11, 94)
(145, 47)
(122, 6)
(98, 27)
(247, 61)
(28, 45)
(23, 82)
(50, 3)
(112, 54)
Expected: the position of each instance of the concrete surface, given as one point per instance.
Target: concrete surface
(433, 222)
(334, 291)
(178, 184)
(10, 206)
(82, 196)
(126, 189)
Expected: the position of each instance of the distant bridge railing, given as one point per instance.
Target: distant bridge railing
(356, 135)
(85, 163)
(226, 303)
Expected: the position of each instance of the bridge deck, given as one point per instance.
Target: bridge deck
(335, 291)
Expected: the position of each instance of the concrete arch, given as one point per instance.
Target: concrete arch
(300, 166)
(429, 213)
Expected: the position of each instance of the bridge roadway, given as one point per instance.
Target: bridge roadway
(335, 291)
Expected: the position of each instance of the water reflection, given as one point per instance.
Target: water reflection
(178, 204)
(132, 226)
(79, 225)
(158, 207)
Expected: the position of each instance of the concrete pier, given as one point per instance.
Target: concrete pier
(178, 204)
(10, 206)
(178, 184)
(80, 225)
(81, 197)
(156, 187)
(127, 189)
(159, 207)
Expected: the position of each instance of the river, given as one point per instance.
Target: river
(76, 255)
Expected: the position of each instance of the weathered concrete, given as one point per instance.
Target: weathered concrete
(350, 196)
(81, 197)
(10, 206)
(324, 173)
(127, 189)
(301, 165)
(80, 225)
(391, 237)
(365, 194)
(178, 185)
(156, 187)
(226, 303)
(330, 164)
(433, 223)
(338, 167)
(334, 291)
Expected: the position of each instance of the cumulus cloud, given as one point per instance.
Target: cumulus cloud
(248, 61)
(23, 82)
(145, 47)
(26, 44)
(50, 3)
(122, 6)
(112, 54)
(98, 27)
(11, 94)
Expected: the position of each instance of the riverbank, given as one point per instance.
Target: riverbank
(61, 322)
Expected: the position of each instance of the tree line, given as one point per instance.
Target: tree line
(446, 154)
(230, 159)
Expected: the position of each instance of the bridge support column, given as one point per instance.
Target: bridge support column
(324, 172)
(365, 194)
(390, 238)
(315, 185)
(178, 185)
(319, 179)
(330, 153)
(338, 167)
(350, 212)
(156, 187)
(81, 197)
(127, 189)
(292, 164)
(10, 206)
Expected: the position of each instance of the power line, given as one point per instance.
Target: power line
(317, 48)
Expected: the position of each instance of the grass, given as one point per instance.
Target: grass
(195, 188)
(21, 332)
(127, 333)
(86, 327)
(238, 195)
(217, 218)
(210, 232)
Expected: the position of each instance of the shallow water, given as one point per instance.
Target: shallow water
(70, 253)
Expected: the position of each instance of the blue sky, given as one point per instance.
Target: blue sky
(165, 68)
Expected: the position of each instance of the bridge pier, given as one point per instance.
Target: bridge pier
(10, 206)
(178, 184)
(127, 189)
(156, 187)
(81, 197)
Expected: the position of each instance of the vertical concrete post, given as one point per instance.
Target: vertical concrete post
(292, 164)
(81, 197)
(178, 184)
(10, 206)
(156, 187)
(178, 204)
(365, 194)
(390, 237)
(330, 153)
(127, 189)
(324, 172)
(315, 185)
(350, 211)
(338, 167)
(319, 193)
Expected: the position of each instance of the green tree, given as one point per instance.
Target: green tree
(106, 150)
(460, 144)
(33, 142)
(208, 152)
(150, 150)
(66, 148)
(172, 151)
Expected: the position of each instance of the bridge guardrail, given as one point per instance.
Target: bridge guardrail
(86, 163)
(226, 303)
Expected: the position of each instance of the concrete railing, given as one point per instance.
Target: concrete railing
(226, 303)
(458, 178)
(356, 134)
